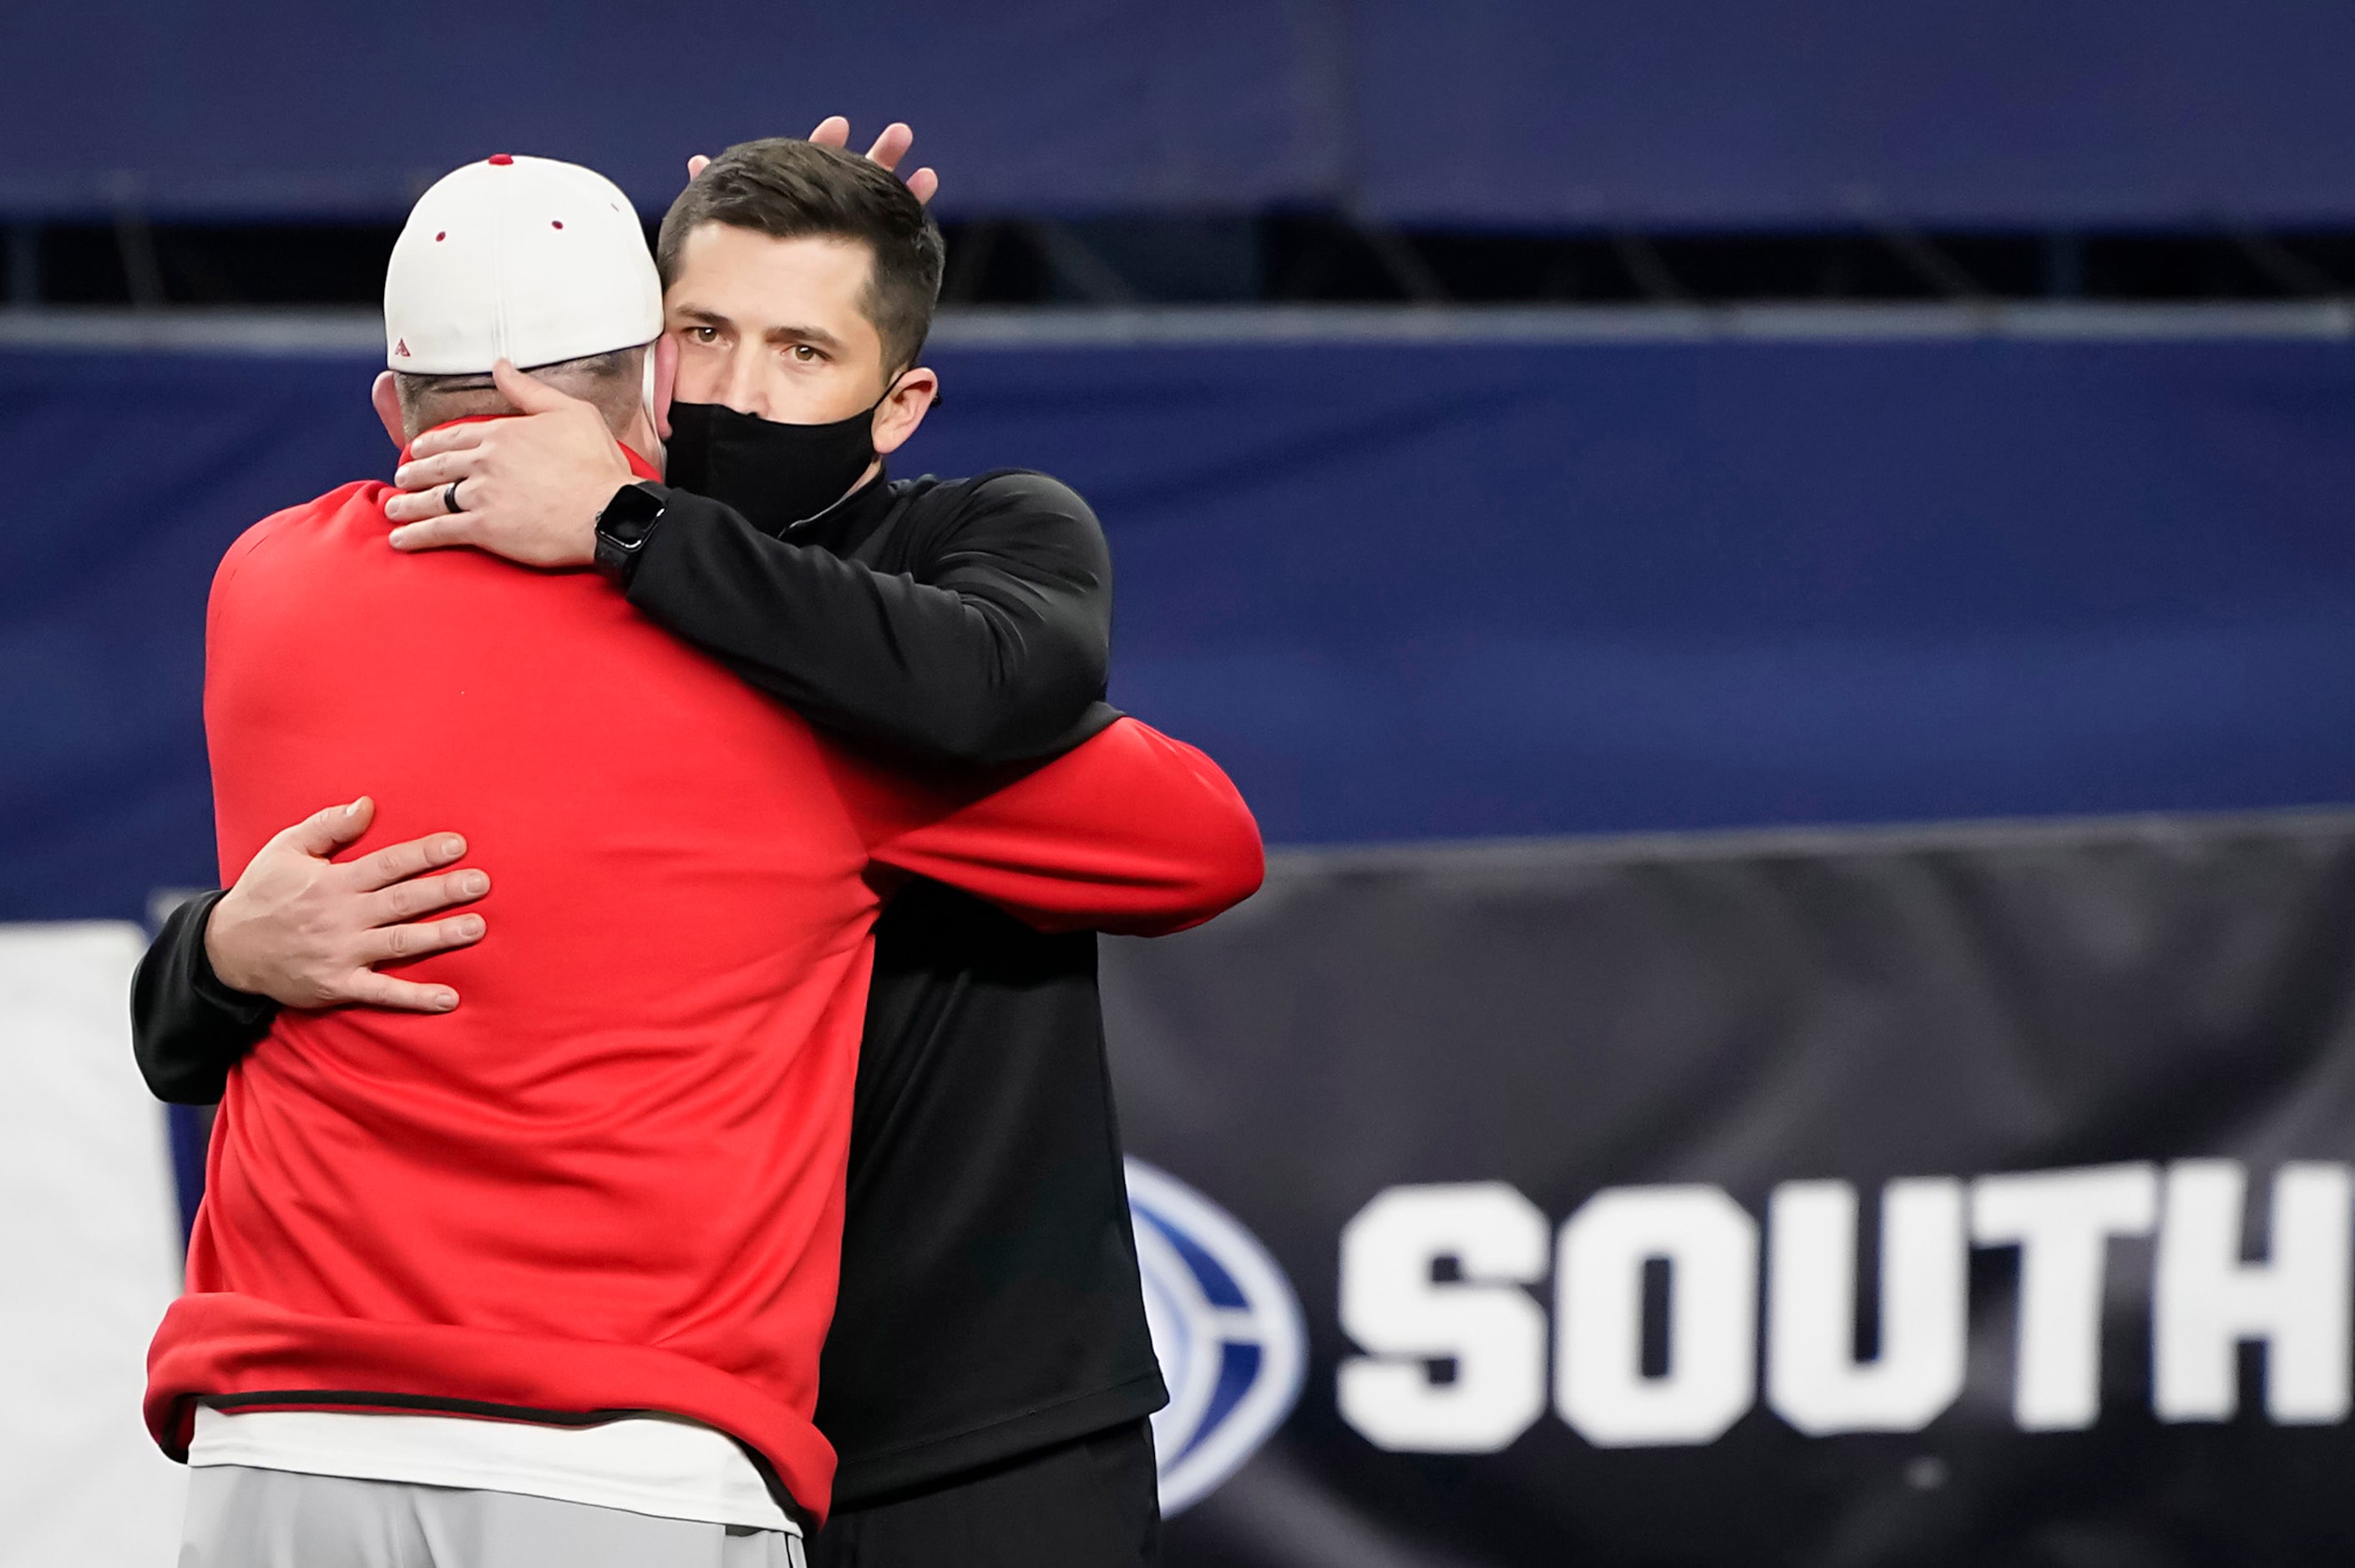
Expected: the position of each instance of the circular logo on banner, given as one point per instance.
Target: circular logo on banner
(1226, 1326)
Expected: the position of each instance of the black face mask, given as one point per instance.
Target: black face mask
(774, 475)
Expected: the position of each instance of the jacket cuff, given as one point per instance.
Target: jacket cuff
(250, 1012)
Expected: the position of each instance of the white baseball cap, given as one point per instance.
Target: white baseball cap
(526, 259)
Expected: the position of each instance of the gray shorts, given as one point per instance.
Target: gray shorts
(244, 1518)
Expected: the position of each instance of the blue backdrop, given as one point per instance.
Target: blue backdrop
(1518, 112)
(1409, 590)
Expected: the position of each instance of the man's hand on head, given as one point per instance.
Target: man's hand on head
(834, 130)
(527, 488)
(306, 931)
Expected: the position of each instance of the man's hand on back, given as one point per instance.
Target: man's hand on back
(529, 489)
(305, 931)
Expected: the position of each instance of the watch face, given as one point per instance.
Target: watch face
(629, 515)
(622, 527)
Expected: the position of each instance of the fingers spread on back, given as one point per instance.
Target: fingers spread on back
(425, 507)
(435, 532)
(398, 944)
(369, 988)
(321, 834)
(422, 894)
(397, 863)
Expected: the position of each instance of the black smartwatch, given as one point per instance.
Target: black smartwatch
(624, 526)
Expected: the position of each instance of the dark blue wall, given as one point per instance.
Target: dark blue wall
(1516, 112)
(1734, 112)
(1419, 590)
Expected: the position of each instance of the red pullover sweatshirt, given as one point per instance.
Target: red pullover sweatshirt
(612, 1180)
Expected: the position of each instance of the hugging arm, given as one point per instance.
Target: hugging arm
(996, 652)
(188, 1029)
(1130, 832)
(998, 655)
(299, 929)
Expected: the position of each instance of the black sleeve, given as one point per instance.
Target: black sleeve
(993, 649)
(188, 1029)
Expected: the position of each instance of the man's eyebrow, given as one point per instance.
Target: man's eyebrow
(705, 317)
(810, 335)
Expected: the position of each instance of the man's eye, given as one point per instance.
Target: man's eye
(704, 333)
(805, 353)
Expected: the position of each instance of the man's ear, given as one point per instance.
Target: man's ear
(665, 381)
(386, 396)
(904, 408)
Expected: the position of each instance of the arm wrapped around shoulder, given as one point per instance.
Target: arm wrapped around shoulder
(988, 649)
(1130, 832)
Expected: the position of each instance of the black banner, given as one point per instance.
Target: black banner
(1954, 1196)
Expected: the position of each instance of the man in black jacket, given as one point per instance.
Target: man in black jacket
(989, 1373)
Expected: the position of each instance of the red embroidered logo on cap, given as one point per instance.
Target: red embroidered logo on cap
(400, 348)
(501, 159)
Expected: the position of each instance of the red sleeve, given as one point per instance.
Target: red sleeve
(1130, 832)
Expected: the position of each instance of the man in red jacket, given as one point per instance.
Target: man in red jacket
(544, 1278)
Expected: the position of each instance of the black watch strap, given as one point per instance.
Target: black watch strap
(625, 525)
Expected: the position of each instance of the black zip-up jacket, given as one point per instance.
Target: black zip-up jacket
(989, 1304)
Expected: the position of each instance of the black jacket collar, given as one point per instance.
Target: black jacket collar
(843, 525)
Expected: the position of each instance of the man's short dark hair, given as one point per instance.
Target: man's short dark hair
(787, 189)
(615, 383)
